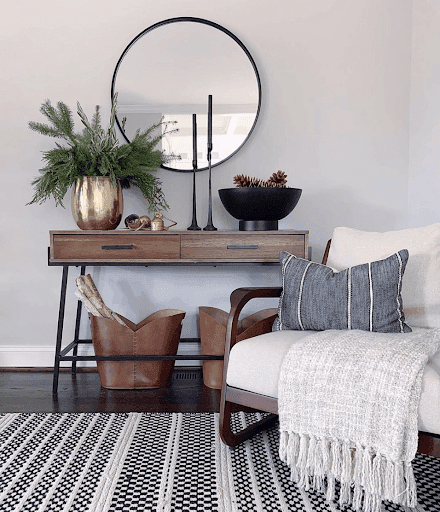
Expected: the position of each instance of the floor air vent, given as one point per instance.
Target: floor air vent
(187, 375)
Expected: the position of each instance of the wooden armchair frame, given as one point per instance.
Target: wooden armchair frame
(232, 397)
(229, 395)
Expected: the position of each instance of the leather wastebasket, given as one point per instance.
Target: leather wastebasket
(212, 328)
(158, 334)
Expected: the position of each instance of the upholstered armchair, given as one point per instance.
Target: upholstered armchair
(252, 367)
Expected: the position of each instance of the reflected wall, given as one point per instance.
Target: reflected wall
(169, 70)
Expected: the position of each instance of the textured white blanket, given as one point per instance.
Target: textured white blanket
(348, 404)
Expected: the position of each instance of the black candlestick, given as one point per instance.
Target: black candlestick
(209, 226)
(209, 123)
(194, 226)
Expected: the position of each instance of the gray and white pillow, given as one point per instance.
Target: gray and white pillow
(366, 297)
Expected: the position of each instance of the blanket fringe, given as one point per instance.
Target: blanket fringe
(365, 478)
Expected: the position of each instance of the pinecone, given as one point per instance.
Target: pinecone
(256, 182)
(241, 180)
(278, 179)
(245, 181)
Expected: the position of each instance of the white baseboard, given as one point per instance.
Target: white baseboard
(26, 356)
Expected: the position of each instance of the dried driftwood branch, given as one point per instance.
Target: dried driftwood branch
(89, 295)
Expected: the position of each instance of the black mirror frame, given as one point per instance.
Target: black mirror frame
(212, 24)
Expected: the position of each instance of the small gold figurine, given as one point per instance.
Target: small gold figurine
(135, 223)
(145, 221)
(157, 223)
(132, 221)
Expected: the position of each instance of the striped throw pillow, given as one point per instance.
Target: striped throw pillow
(366, 297)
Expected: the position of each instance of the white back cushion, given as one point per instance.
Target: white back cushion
(421, 281)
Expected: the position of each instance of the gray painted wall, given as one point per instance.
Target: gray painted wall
(345, 84)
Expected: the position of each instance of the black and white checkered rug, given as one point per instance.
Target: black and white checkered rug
(154, 462)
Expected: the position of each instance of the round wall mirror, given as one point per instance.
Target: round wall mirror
(169, 70)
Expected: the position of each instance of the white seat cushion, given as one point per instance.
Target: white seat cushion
(421, 281)
(255, 363)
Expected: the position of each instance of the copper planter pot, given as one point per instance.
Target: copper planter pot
(157, 334)
(97, 203)
(212, 326)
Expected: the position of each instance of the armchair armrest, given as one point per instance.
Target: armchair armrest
(239, 298)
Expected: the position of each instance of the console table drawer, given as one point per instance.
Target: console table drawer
(112, 246)
(241, 247)
(127, 247)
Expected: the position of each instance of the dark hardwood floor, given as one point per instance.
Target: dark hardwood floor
(31, 391)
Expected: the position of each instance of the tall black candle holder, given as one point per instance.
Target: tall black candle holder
(194, 226)
(210, 226)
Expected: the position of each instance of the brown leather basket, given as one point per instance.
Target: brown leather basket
(158, 334)
(212, 327)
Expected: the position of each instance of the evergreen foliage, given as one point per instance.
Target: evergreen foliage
(96, 152)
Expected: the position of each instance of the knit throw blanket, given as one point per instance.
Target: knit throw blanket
(348, 404)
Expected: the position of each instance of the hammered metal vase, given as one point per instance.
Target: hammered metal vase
(97, 203)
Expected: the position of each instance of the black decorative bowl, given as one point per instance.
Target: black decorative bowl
(259, 208)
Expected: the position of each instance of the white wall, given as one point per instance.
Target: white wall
(336, 83)
(424, 162)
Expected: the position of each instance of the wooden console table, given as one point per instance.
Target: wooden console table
(154, 248)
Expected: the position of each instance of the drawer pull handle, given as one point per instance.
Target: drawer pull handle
(243, 246)
(116, 247)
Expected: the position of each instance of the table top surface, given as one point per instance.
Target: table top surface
(174, 232)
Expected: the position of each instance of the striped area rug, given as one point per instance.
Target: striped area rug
(154, 462)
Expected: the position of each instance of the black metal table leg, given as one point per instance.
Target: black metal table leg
(56, 366)
(77, 326)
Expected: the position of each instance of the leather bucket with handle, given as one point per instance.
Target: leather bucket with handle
(158, 334)
(212, 326)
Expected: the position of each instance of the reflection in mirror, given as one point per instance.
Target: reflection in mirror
(170, 69)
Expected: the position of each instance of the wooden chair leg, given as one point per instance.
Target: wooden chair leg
(233, 439)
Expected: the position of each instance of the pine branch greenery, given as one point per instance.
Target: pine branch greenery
(96, 152)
